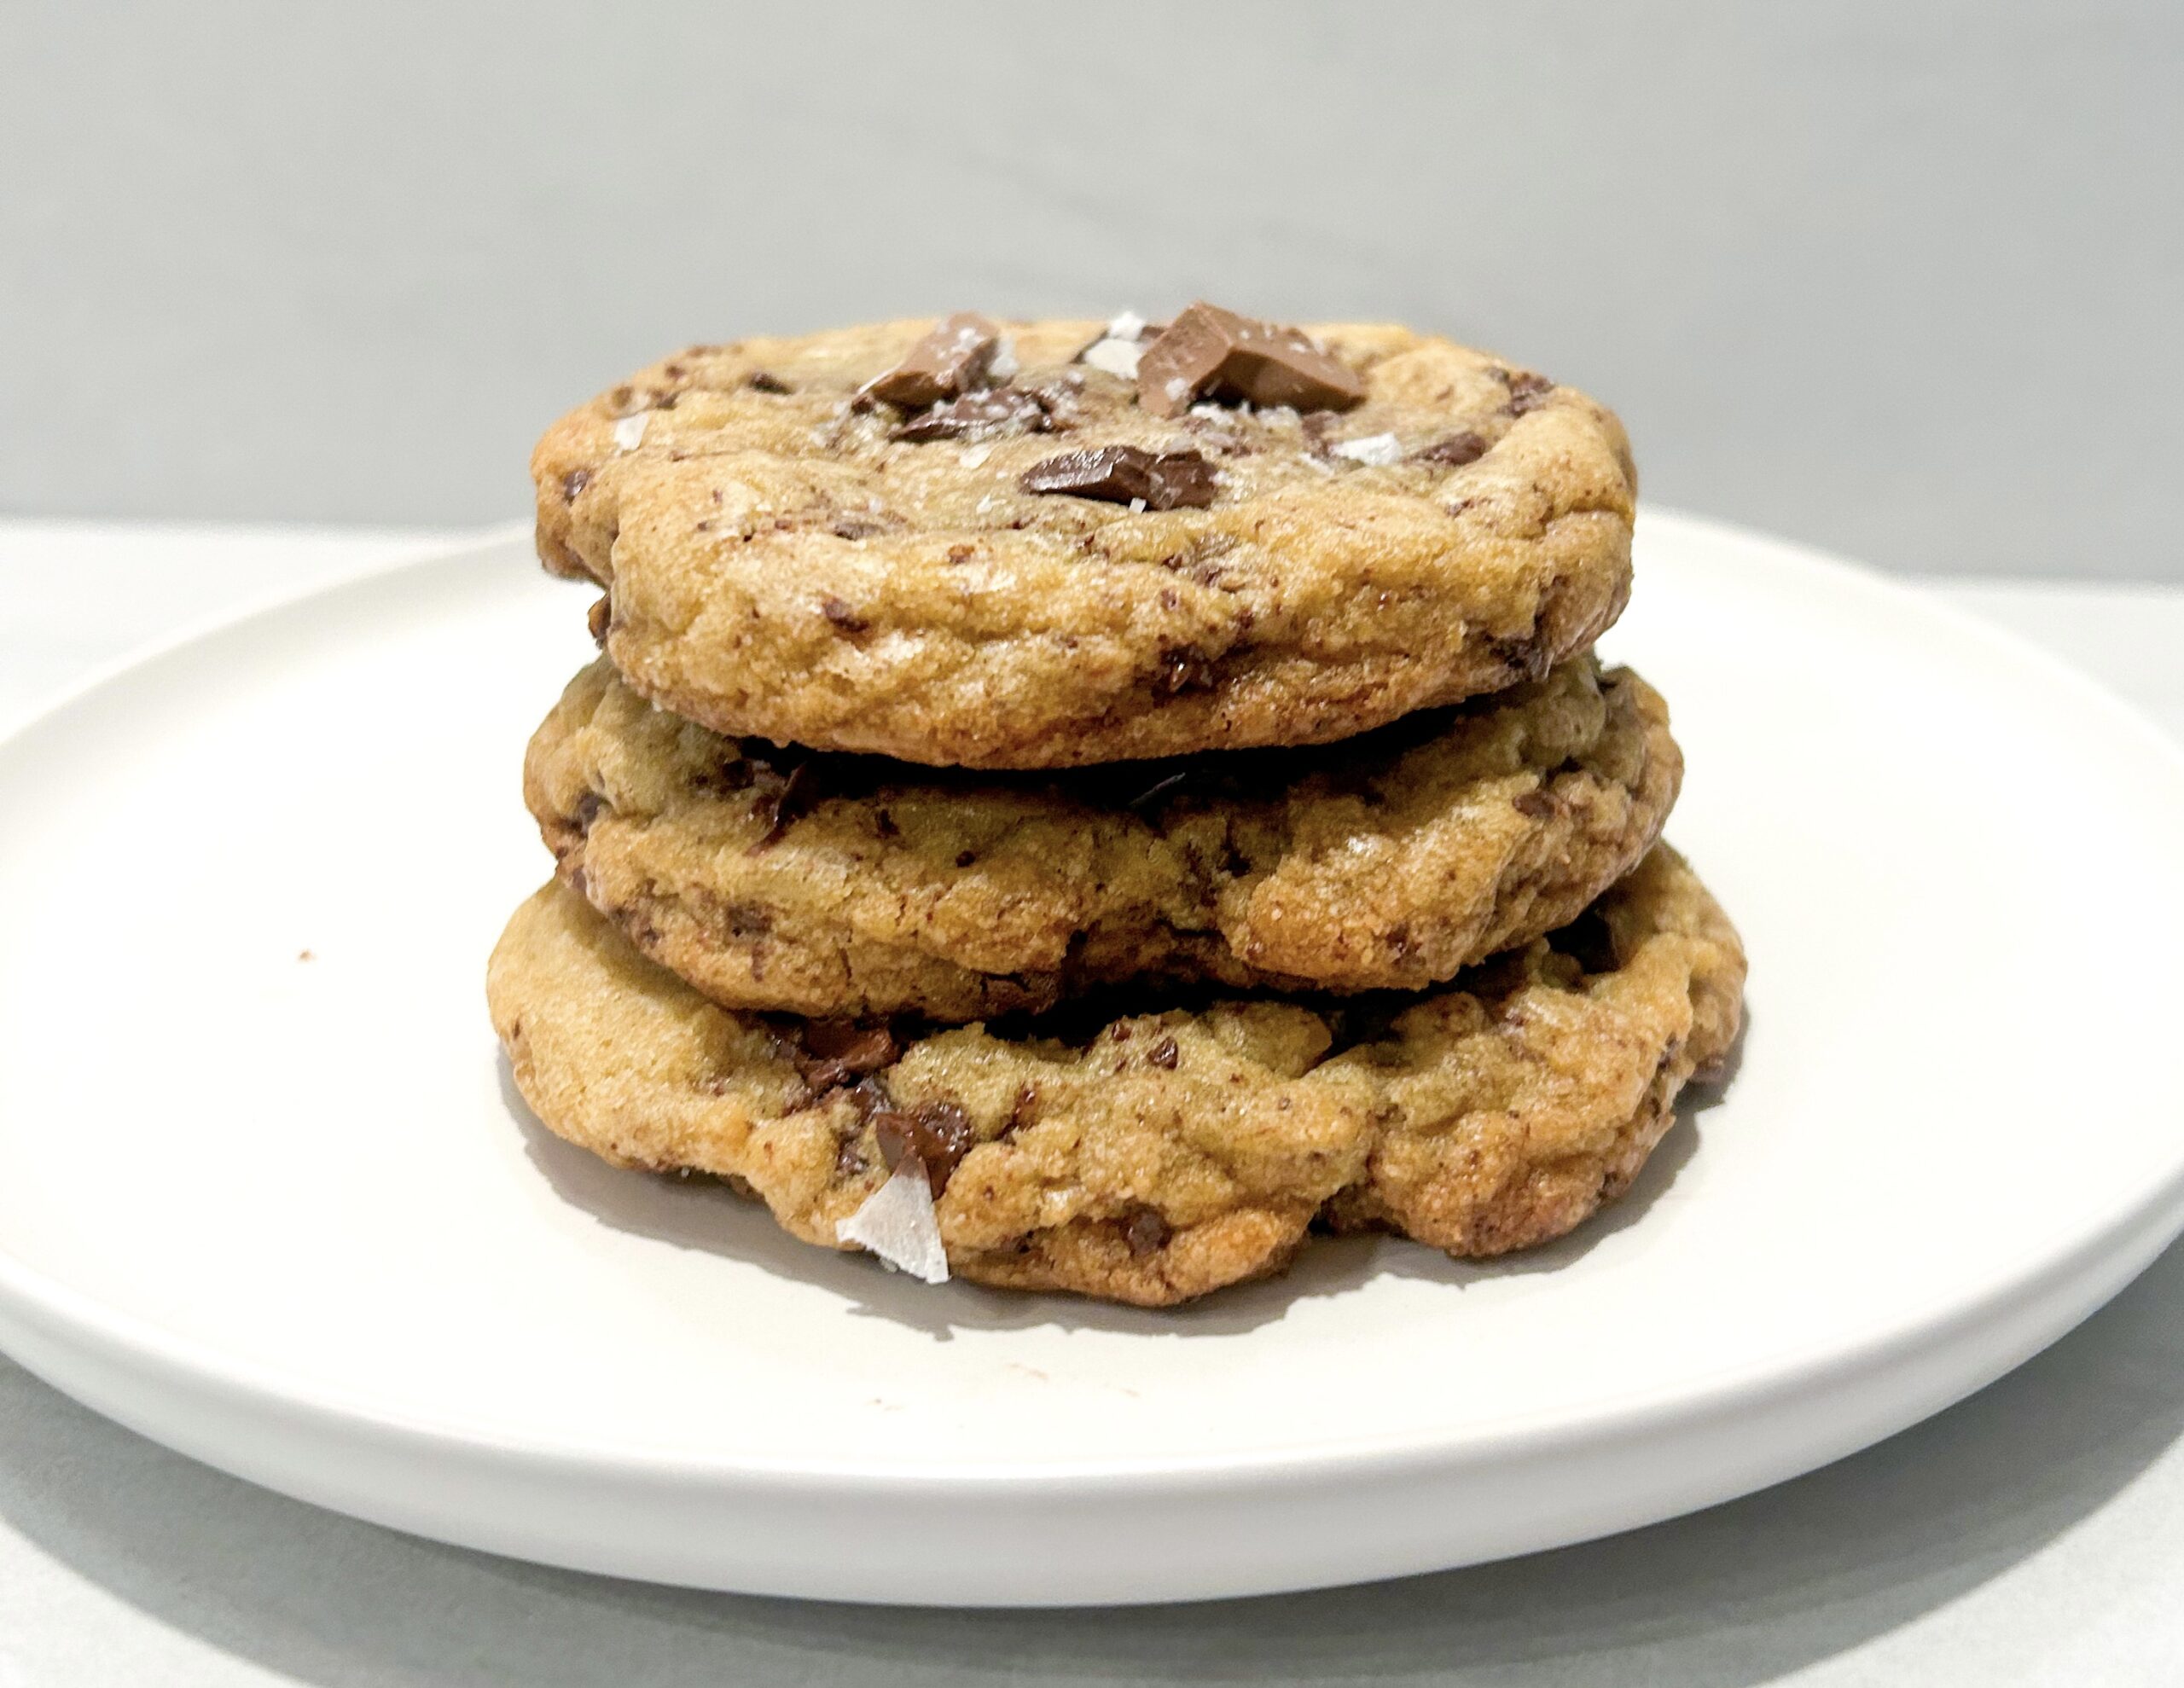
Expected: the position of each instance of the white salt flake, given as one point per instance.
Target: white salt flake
(630, 431)
(1129, 326)
(1377, 450)
(1177, 388)
(897, 1223)
(974, 456)
(1003, 364)
(1137, 507)
(988, 505)
(1117, 356)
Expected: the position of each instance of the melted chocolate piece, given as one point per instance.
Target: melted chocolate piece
(1146, 1231)
(1120, 474)
(783, 805)
(1454, 452)
(829, 1053)
(936, 1134)
(1182, 671)
(952, 359)
(1527, 391)
(839, 614)
(980, 415)
(1208, 352)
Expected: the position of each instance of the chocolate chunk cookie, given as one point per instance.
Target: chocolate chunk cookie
(1157, 1154)
(835, 884)
(1051, 544)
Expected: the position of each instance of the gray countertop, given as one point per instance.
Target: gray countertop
(2033, 1533)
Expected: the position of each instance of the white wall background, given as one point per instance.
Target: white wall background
(1902, 279)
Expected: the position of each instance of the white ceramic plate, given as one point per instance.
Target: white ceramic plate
(286, 1215)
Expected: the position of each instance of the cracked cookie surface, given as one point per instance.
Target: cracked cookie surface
(831, 884)
(1044, 571)
(1151, 1157)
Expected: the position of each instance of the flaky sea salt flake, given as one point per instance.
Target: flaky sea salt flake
(630, 431)
(897, 1223)
(1117, 356)
(1377, 451)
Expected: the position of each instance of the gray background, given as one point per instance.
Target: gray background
(1900, 280)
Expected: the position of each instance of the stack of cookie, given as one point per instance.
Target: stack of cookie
(1084, 808)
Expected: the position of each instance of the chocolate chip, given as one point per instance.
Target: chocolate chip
(1146, 1231)
(1208, 352)
(952, 359)
(1456, 450)
(574, 482)
(938, 1135)
(748, 919)
(829, 1053)
(759, 381)
(1535, 805)
(1121, 475)
(1183, 671)
(597, 618)
(1121, 1031)
(1162, 1053)
(964, 858)
(841, 615)
(981, 415)
(587, 811)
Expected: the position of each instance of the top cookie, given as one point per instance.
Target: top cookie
(1049, 544)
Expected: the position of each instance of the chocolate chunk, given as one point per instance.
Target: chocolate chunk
(1122, 474)
(574, 482)
(1163, 1054)
(953, 359)
(759, 381)
(1146, 1231)
(829, 1053)
(980, 415)
(597, 619)
(938, 1135)
(1456, 450)
(839, 614)
(1212, 353)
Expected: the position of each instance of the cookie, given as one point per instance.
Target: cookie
(1048, 544)
(1155, 1153)
(832, 884)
